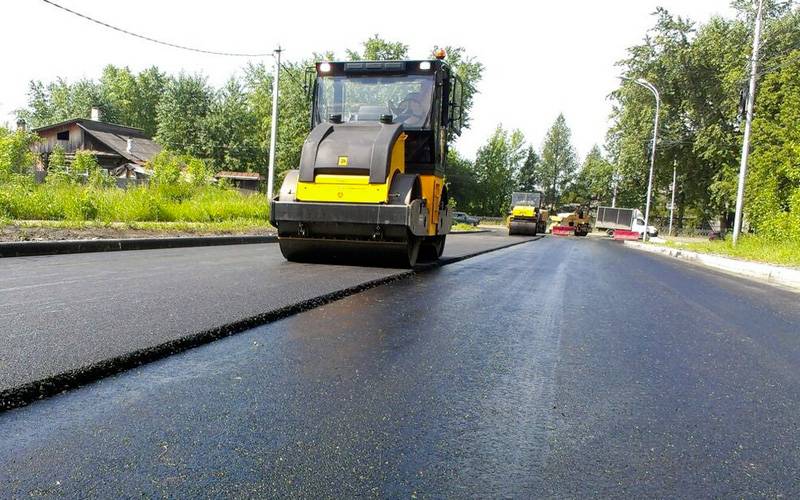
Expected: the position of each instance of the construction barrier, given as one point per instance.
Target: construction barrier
(563, 230)
(622, 234)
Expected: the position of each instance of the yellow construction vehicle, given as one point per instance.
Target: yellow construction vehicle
(527, 216)
(370, 183)
(572, 219)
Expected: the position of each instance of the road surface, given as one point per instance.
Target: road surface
(68, 313)
(562, 368)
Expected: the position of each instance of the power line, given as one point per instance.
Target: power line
(154, 40)
(291, 76)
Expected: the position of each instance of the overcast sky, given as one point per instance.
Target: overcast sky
(541, 58)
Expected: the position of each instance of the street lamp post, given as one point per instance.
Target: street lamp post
(652, 88)
(672, 203)
(274, 124)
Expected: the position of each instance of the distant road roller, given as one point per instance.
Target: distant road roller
(370, 185)
(574, 219)
(526, 214)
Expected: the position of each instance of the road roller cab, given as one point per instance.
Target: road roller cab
(371, 177)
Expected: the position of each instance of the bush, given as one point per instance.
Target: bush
(166, 168)
(15, 152)
(181, 202)
(57, 171)
(198, 173)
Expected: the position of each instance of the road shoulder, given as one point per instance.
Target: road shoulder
(775, 275)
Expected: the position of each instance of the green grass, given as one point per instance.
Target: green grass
(464, 228)
(226, 226)
(786, 252)
(178, 203)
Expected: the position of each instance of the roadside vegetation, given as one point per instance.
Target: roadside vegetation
(179, 192)
(465, 228)
(700, 70)
(182, 203)
(785, 252)
(203, 129)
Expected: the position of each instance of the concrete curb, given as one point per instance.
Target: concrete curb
(25, 394)
(30, 248)
(776, 275)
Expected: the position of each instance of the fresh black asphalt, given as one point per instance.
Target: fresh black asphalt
(564, 368)
(64, 313)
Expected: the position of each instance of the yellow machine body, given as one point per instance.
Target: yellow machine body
(346, 188)
(432, 192)
(523, 212)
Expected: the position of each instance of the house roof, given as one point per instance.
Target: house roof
(143, 148)
(95, 125)
(248, 176)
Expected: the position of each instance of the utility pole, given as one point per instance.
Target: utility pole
(751, 97)
(274, 124)
(672, 204)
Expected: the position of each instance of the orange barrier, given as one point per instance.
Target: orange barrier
(622, 234)
(563, 230)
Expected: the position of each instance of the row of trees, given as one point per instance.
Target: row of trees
(506, 163)
(701, 72)
(227, 127)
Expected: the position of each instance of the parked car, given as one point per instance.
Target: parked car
(464, 218)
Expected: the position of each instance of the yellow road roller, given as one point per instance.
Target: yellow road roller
(370, 185)
(526, 214)
(573, 219)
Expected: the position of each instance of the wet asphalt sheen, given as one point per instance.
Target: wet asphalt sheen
(64, 313)
(557, 368)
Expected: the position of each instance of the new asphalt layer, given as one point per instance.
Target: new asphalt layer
(66, 319)
(561, 368)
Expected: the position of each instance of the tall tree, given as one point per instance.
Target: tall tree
(701, 73)
(462, 182)
(294, 113)
(593, 183)
(470, 71)
(496, 165)
(559, 160)
(773, 189)
(230, 131)
(530, 176)
(59, 100)
(181, 113)
(376, 48)
(150, 86)
(118, 88)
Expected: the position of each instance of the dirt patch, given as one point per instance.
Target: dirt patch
(23, 233)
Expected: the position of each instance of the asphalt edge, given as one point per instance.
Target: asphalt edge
(55, 247)
(782, 277)
(33, 391)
